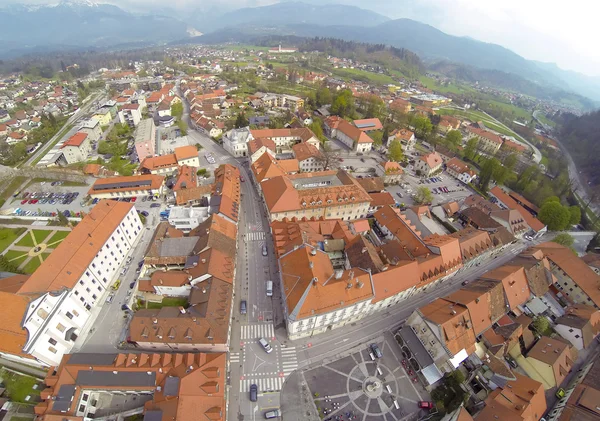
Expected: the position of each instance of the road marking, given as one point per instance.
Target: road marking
(255, 331)
(234, 357)
(255, 236)
(265, 384)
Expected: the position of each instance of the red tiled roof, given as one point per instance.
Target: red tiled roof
(76, 140)
(534, 223)
(186, 152)
(353, 132)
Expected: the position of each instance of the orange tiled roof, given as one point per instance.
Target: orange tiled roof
(381, 199)
(152, 163)
(93, 169)
(302, 134)
(373, 124)
(186, 152)
(522, 399)
(12, 336)
(255, 144)
(484, 133)
(155, 182)
(432, 159)
(183, 196)
(291, 233)
(514, 281)
(534, 223)
(478, 305)
(454, 322)
(76, 140)
(353, 132)
(459, 166)
(391, 167)
(65, 266)
(186, 178)
(304, 151)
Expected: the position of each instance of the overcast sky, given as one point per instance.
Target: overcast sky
(563, 32)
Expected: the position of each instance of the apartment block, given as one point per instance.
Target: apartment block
(145, 139)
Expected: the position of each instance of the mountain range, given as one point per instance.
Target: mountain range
(83, 23)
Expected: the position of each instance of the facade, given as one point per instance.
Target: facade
(145, 139)
(429, 164)
(92, 128)
(488, 141)
(77, 148)
(168, 164)
(506, 202)
(580, 325)
(325, 194)
(460, 170)
(309, 157)
(353, 137)
(550, 360)
(187, 155)
(176, 387)
(130, 114)
(406, 138)
(393, 172)
(235, 141)
(127, 186)
(103, 116)
(75, 278)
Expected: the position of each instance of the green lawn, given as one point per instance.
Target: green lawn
(40, 235)
(21, 419)
(26, 241)
(19, 387)
(169, 302)
(357, 74)
(542, 117)
(16, 257)
(35, 263)
(451, 88)
(8, 235)
(58, 236)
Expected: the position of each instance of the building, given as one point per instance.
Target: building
(62, 293)
(187, 218)
(487, 141)
(368, 124)
(353, 137)
(103, 116)
(393, 172)
(460, 170)
(130, 114)
(580, 325)
(429, 164)
(282, 50)
(127, 186)
(76, 148)
(285, 139)
(309, 157)
(326, 194)
(379, 200)
(406, 138)
(550, 361)
(235, 141)
(187, 155)
(145, 139)
(257, 147)
(168, 164)
(157, 387)
(92, 128)
(506, 202)
(401, 105)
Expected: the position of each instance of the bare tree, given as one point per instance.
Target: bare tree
(329, 158)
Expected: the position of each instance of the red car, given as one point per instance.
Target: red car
(425, 404)
(133, 199)
(23, 201)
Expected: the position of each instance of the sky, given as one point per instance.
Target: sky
(558, 31)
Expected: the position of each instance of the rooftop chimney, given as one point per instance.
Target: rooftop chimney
(313, 251)
(364, 250)
(338, 273)
(181, 310)
(154, 320)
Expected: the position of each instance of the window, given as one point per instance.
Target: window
(52, 350)
(69, 315)
(80, 282)
(94, 265)
(81, 299)
(577, 336)
(94, 296)
(87, 274)
(52, 341)
(60, 328)
(75, 313)
(76, 292)
(571, 330)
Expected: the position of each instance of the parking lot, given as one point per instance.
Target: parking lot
(366, 387)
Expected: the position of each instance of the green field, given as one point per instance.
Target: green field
(41, 235)
(169, 302)
(357, 74)
(451, 88)
(18, 387)
(16, 257)
(26, 241)
(8, 235)
(471, 115)
(35, 263)
(58, 236)
(542, 117)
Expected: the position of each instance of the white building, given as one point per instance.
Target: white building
(92, 128)
(460, 170)
(130, 114)
(187, 218)
(235, 141)
(429, 164)
(76, 278)
(77, 148)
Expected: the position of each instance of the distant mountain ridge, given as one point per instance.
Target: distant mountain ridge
(81, 23)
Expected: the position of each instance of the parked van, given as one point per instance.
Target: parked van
(264, 250)
(396, 404)
(243, 307)
(388, 388)
(269, 288)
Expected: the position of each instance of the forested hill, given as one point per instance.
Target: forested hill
(581, 136)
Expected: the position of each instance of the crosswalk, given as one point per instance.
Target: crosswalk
(234, 357)
(289, 360)
(270, 384)
(262, 330)
(255, 236)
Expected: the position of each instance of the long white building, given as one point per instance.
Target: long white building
(75, 278)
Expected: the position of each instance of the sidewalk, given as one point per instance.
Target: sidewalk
(22, 368)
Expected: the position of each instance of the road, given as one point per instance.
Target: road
(79, 115)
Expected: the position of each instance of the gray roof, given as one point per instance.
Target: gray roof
(115, 378)
(172, 386)
(92, 359)
(64, 398)
(571, 320)
(153, 415)
(416, 347)
(414, 220)
(172, 247)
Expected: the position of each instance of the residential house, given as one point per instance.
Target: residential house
(580, 325)
(351, 136)
(460, 170)
(593, 261)
(406, 138)
(429, 164)
(92, 128)
(16, 137)
(550, 361)
(63, 292)
(379, 200)
(168, 164)
(257, 147)
(145, 139)
(76, 148)
(103, 116)
(487, 141)
(401, 105)
(286, 138)
(507, 202)
(130, 114)
(127, 186)
(392, 172)
(309, 157)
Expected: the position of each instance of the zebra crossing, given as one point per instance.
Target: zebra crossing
(255, 236)
(289, 360)
(234, 357)
(263, 330)
(270, 384)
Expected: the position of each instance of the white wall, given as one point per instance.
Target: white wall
(570, 334)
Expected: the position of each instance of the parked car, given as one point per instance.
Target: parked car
(132, 285)
(124, 307)
(376, 350)
(243, 307)
(110, 298)
(425, 405)
(145, 213)
(242, 178)
(273, 414)
(264, 250)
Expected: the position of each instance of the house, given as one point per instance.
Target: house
(304, 117)
(401, 105)
(310, 158)
(429, 164)
(580, 325)
(103, 116)
(487, 141)
(16, 137)
(235, 141)
(511, 146)
(145, 139)
(593, 261)
(92, 128)
(507, 202)
(130, 114)
(76, 148)
(127, 186)
(167, 164)
(393, 172)
(163, 109)
(187, 155)
(155, 386)
(257, 147)
(368, 125)
(379, 200)
(460, 170)
(186, 218)
(550, 361)
(62, 294)
(300, 195)
(353, 137)
(406, 138)
(286, 138)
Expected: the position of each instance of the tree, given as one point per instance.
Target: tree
(454, 138)
(422, 126)
(241, 121)
(423, 196)
(395, 152)
(377, 137)
(541, 324)
(564, 239)
(575, 212)
(343, 104)
(177, 109)
(323, 96)
(385, 135)
(471, 149)
(182, 127)
(62, 219)
(489, 169)
(510, 161)
(555, 216)
(317, 128)
(329, 158)
(551, 199)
